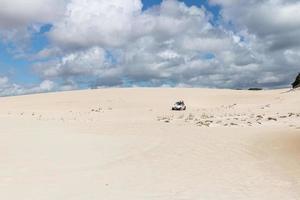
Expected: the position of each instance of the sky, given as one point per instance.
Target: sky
(58, 45)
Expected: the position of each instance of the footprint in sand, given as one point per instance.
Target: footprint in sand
(96, 110)
(291, 114)
(201, 123)
(259, 117)
(272, 119)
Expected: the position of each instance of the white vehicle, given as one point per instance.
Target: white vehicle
(179, 106)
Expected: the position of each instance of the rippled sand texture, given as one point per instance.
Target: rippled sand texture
(126, 144)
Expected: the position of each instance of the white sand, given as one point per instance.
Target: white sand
(126, 144)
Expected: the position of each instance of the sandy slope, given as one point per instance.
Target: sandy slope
(117, 144)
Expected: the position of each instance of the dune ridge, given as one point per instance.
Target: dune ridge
(127, 144)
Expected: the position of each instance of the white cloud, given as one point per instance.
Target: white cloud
(276, 22)
(8, 88)
(271, 28)
(20, 19)
(3, 81)
(20, 13)
(166, 44)
(47, 85)
(103, 23)
(89, 62)
(115, 43)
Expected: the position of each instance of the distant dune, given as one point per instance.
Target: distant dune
(127, 144)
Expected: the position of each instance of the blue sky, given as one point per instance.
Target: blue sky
(214, 9)
(184, 43)
(19, 69)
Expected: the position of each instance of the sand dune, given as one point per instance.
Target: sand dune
(117, 144)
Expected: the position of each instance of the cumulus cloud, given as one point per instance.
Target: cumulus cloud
(116, 43)
(103, 23)
(277, 22)
(81, 63)
(168, 44)
(3, 81)
(19, 13)
(272, 29)
(47, 85)
(20, 19)
(8, 88)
